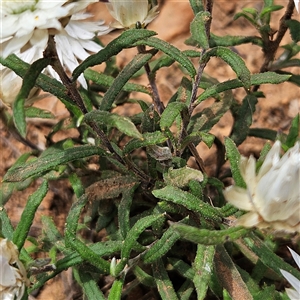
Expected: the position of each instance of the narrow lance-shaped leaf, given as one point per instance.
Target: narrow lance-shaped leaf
(138, 62)
(88, 284)
(198, 29)
(171, 112)
(171, 51)
(197, 6)
(293, 132)
(203, 266)
(234, 61)
(243, 119)
(268, 257)
(72, 242)
(35, 112)
(256, 79)
(209, 237)
(48, 162)
(163, 282)
(123, 124)
(178, 196)
(28, 215)
(28, 83)
(107, 81)
(234, 158)
(131, 238)
(149, 138)
(162, 246)
(116, 289)
(125, 40)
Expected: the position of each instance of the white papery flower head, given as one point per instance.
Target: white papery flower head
(297, 5)
(75, 42)
(295, 282)
(13, 278)
(11, 83)
(129, 12)
(272, 196)
(73, 30)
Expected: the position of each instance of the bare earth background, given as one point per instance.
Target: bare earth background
(276, 111)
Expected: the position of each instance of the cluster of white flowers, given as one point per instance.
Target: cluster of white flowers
(26, 26)
(295, 283)
(272, 197)
(13, 278)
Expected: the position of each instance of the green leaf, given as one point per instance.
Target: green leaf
(132, 237)
(88, 284)
(177, 196)
(234, 157)
(72, 242)
(256, 79)
(230, 41)
(125, 40)
(28, 83)
(197, 6)
(44, 82)
(163, 282)
(116, 289)
(268, 9)
(263, 133)
(182, 176)
(28, 215)
(206, 119)
(149, 138)
(203, 266)
(243, 119)
(123, 124)
(162, 246)
(268, 257)
(163, 61)
(35, 112)
(46, 163)
(293, 134)
(171, 112)
(138, 61)
(233, 60)
(196, 137)
(198, 29)
(171, 51)
(209, 237)
(107, 81)
(124, 211)
(143, 277)
(294, 27)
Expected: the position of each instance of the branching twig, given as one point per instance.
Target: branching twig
(270, 46)
(75, 95)
(157, 102)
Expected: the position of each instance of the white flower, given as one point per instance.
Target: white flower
(12, 272)
(73, 42)
(26, 22)
(10, 82)
(295, 283)
(128, 12)
(273, 195)
(297, 5)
